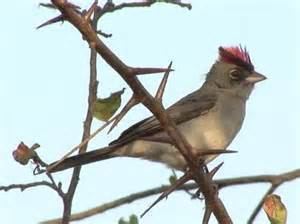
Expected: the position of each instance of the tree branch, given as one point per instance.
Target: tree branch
(222, 183)
(110, 7)
(23, 187)
(86, 133)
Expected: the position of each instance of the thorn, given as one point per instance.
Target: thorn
(88, 14)
(144, 71)
(35, 146)
(48, 5)
(56, 19)
(162, 86)
(131, 103)
(215, 170)
(182, 180)
(109, 5)
(106, 35)
(59, 18)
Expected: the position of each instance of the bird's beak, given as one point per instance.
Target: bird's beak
(255, 77)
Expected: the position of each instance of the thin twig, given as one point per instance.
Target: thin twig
(86, 133)
(23, 187)
(57, 187)
(148, 3)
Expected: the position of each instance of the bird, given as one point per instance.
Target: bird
(209, 118)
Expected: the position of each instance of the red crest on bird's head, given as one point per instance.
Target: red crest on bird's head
(236, 55)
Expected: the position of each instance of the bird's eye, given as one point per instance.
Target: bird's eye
(235, 74)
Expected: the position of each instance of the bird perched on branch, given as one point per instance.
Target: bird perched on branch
(209, 118)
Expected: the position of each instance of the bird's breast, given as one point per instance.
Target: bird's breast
(217, 128)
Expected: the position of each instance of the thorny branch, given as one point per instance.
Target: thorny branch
(222, 183)
(129, 75)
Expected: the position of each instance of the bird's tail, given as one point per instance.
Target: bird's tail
(84, 158)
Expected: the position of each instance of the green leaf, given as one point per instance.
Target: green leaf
(172, 179)
(133, 219)
(122, 221)
(275, 209)
(104, 108)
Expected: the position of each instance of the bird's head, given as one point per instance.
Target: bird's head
(234, 71)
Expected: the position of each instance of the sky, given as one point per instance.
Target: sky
(43, 91)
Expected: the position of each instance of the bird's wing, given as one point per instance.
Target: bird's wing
(189, 107)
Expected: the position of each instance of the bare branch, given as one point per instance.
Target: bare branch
(56, 187)
(112, 8)
(93, 84)
(23, 187)
(222, 183)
